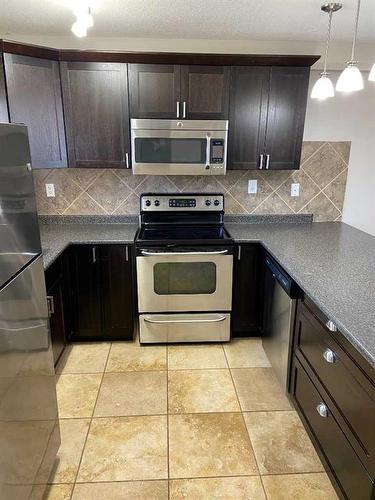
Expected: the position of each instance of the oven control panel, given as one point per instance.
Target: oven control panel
(153, 202)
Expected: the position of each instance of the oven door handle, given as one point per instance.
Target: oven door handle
(208, 149)
(163, 321)
(169, 254)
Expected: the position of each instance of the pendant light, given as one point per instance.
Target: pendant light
(371, 76)
(323, 88)
(351, 78)
(84, 20)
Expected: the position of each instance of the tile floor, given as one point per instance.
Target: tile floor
(179, 422)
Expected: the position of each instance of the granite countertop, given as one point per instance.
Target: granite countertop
(56, 237)
(332, 262)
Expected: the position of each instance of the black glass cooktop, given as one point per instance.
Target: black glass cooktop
(186, 233)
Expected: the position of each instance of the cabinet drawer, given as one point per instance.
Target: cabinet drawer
(348, 387)
(345, 465)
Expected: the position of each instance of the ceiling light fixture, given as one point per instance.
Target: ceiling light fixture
(83, 22)
(323, 87)
(351, 78)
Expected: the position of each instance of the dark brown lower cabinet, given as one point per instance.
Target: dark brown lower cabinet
(102, 291)
(333, 389)
(246, 307)
(55, 297)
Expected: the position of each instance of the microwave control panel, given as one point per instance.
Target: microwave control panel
(217, 151)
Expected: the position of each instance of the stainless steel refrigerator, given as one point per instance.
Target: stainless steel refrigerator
(29, 429)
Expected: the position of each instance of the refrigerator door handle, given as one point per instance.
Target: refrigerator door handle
(51, 305)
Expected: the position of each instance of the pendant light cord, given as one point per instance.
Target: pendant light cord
(355, 30)
(328, 41)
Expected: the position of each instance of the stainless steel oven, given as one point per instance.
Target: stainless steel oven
(172, 147)
(192, 280)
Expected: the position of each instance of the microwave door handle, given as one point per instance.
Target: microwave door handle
(163, 321)
(156, 254)
(208, 149)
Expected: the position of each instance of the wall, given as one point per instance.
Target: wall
(350, 118)
(322, 179)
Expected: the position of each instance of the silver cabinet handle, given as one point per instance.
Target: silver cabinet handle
(127, 160)
(322, 409)
(178, 109)
(208, 150)
(331, 326)
(28, 166)
(239, 252)
(329, 356)
(267, 162)
(261, 162)
(126, 253)
(51, 305)
(94, 255)
(158, 254)
(184, 109)
(163, 321)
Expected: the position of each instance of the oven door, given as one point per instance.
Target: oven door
(184, 281)
(175, 152)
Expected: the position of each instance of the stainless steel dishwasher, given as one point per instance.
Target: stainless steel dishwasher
(281, 294)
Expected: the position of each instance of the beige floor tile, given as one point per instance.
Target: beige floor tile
(130, 356)
(73, 435)
(246, 353)
(88, 357)
(132, 393)
(299, 487)
(259, 390)
(201, 391)
(15, 491)
(131, 490)
(280, 443)
(52, 492)
(76, 394)
(207, 445)
(125, 448)
(228, 488)
(190, 357)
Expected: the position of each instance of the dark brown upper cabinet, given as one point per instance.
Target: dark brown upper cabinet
(267, 116)
(173, 91)
(4, 117)
(96, 114)
(34, 97)
(154, 90)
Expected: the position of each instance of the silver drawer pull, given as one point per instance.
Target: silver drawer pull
(331, 326)
(329, 356)
(163, 321)
(322, 409)
(158, 254)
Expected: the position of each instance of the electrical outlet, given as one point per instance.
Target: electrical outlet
(294, 189)
(50, 190)
(252, 186)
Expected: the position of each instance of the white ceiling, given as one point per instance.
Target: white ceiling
(205, 19)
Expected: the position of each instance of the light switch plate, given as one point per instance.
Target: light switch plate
(252, 187)
(294, 189)
(50, 190)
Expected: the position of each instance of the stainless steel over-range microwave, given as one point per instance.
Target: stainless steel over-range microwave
(173, 147)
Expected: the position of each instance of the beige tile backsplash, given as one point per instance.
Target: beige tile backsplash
(322, 179)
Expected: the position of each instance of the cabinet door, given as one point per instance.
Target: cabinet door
(96, 114)
(4, 117)
(154, 91)
(117, 291)
(34, 95)
(85, 276)
(246, 314)
(205, 92)
(248, 116)
(56, 320)
(286, 117)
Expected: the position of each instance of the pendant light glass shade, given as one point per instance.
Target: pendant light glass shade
(323, 88)
(371, 76)
(79, 29)
(351, 79)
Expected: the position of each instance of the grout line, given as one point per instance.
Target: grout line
(91, 419)
(314, 153)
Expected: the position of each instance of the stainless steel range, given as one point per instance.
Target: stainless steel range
(184, 259)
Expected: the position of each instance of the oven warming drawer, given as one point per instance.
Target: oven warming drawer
(185, 327)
